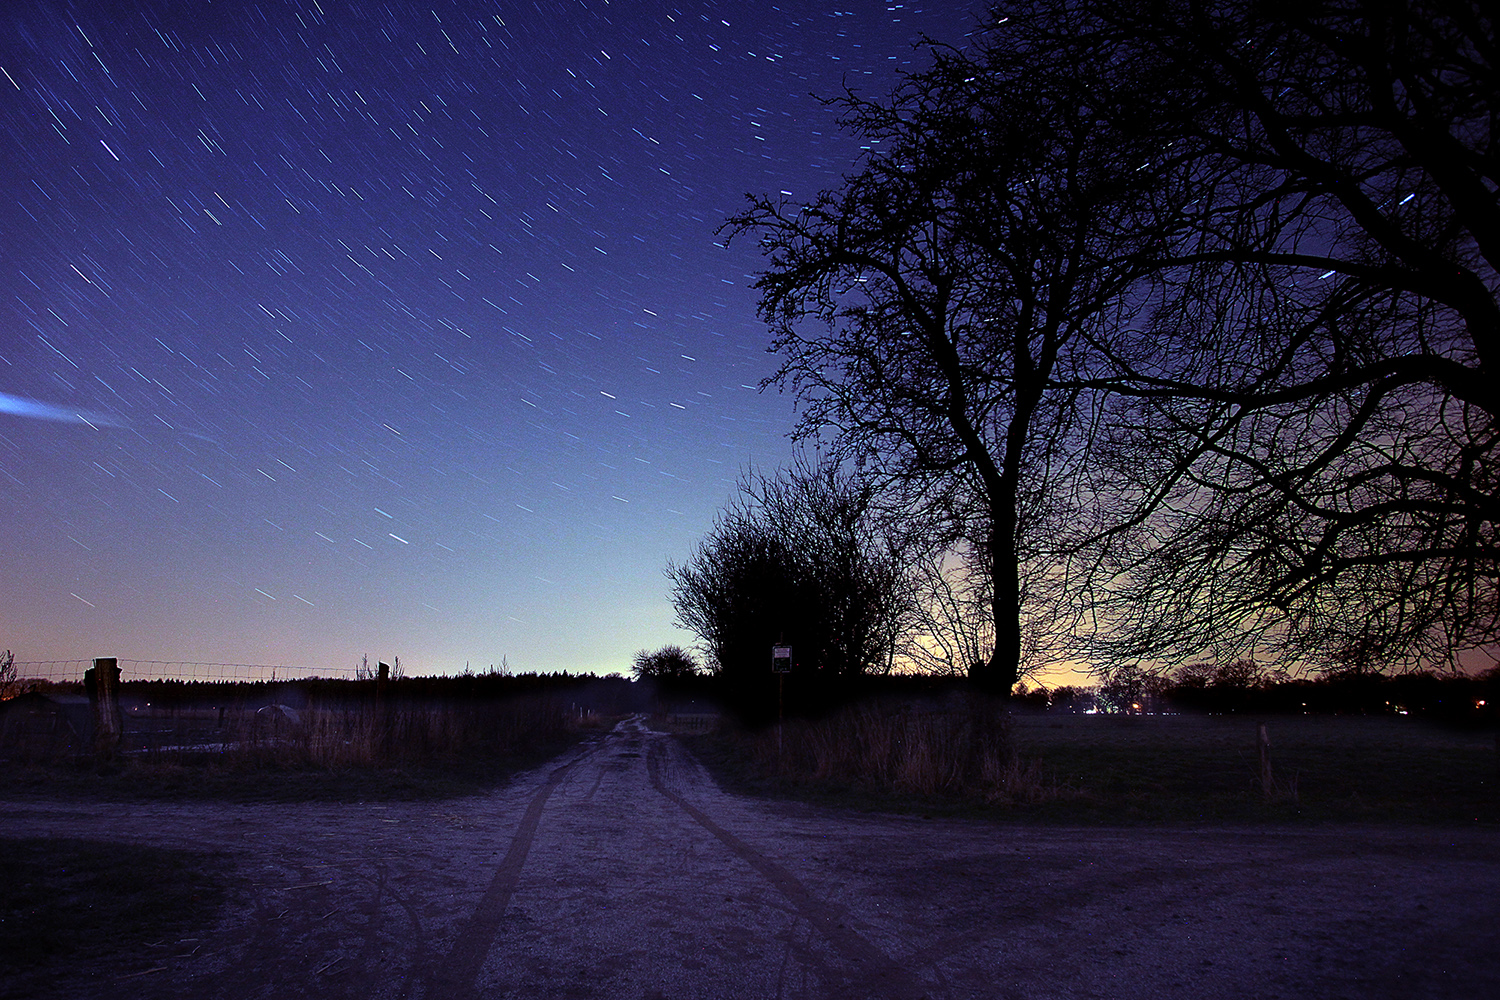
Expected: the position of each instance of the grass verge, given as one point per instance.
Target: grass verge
(77, 910)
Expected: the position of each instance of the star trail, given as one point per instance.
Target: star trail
(341, 329)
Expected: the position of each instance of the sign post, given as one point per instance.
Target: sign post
(781, 665)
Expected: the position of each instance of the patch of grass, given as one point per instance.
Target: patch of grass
(83, 908)
(1181, 769)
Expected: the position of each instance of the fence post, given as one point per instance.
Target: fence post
(103, 684)
(1263, 745)
(382, 722)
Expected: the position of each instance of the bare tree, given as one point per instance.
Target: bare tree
(1178, 320)
(938, 314)
(669, 663)
(798, 559)
(1312, 452)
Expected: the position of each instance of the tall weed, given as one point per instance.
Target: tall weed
(909, 749)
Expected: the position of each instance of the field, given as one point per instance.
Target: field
(309, 741)
(1103, 769)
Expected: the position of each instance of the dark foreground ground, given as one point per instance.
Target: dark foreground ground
(621, 870)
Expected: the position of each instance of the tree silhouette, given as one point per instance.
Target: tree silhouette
(1177, 321)
(796, 560)
(940, 314)
(670, 663)
(1314, 442)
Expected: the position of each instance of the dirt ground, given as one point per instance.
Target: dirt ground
(622, 870)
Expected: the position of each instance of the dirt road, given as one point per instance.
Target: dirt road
(621, 870)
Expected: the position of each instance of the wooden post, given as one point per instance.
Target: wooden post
(1263, 745)
(382, 726)
(103, 683)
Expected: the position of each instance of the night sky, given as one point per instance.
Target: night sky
(338, 329)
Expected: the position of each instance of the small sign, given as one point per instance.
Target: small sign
(781, 659)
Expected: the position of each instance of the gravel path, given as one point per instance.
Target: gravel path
(621, 870)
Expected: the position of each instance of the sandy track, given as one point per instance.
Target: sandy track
(621, 870)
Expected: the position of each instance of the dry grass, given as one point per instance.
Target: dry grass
(333, 736)
(911, 750)
(336, 749)
(1124, 769)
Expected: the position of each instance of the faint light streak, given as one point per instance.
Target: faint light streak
(263, 593)
(398, 538)
(20, 406)
(71, 594)
(304, 600)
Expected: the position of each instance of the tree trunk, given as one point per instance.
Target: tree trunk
(997, 677)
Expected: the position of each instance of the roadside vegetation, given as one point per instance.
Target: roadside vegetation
(1123, 769)
(1185, 747)
(412, 738)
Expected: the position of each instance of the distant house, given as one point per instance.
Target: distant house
(37, 726)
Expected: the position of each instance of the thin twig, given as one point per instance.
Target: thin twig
(145, 972)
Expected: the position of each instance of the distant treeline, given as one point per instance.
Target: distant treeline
(1235, 688)
(589, 692)
(1457, 698)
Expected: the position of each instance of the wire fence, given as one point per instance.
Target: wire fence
(72, 671)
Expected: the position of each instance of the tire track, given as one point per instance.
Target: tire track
(455, 976)
(872, 970)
